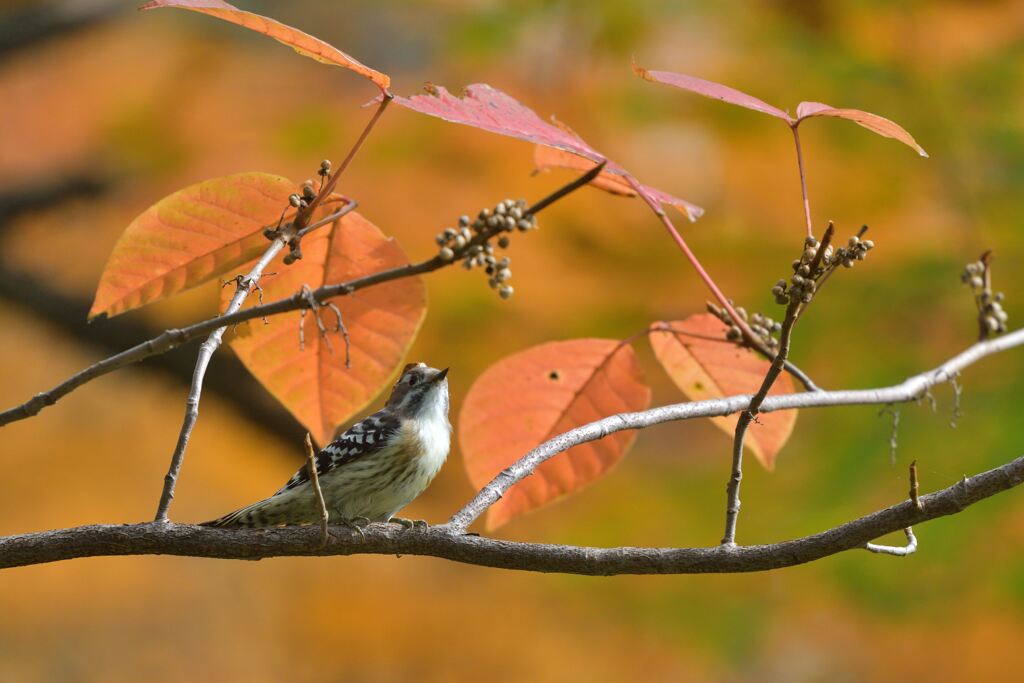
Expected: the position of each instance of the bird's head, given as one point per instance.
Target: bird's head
(421, 391)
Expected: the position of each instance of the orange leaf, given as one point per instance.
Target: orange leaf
(532, 395)
(190, 237)
(546, 158)
(313, 383)
(873, 122)
(696, 355)
(303, 43)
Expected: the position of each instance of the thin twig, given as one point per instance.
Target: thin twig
(958, 390)
(565, 190)
(894, 432)
(803, 178)
(908, 390)
(915, 489)
(350, 206)
(451, 543)
(897, 551)
(173, 338)
(793, 312)
(732, 489)
(754, 340)
(329, 187)
(800, 376)
(206, 350)
(314, 482)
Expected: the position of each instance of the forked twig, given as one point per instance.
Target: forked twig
(339, 328)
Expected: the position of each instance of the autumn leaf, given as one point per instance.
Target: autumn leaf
(872, 122)
(715, 91)
(190, 237)
(490, 109)
(313, 382)
(876, 124)
(301, 42)
(696, 355)
(548, 158)
(530, 396)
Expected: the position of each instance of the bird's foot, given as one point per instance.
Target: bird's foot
(409, 524)
(355, 524)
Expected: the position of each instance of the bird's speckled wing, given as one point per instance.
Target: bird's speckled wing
(362, 438)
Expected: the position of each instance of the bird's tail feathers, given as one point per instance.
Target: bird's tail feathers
(248, 517)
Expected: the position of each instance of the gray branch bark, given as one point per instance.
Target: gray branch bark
(450, 543)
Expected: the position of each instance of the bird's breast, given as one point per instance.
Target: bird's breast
(430, 441)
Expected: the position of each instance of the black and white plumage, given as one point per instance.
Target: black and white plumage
(375, 468)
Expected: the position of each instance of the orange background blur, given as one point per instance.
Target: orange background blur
(151, 102)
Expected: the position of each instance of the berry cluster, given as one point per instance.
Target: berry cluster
(471, 241)
(761, 325)
(991, 316)
(804, 283)
(300, 202)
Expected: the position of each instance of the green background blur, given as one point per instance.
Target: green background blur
(156, 101)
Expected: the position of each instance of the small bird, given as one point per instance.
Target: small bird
(374, 469)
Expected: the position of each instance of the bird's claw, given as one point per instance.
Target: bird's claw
(409, 524)
(354, 525)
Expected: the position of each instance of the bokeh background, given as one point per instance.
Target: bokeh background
(105, 110)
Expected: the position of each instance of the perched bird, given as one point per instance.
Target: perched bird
(373, 470)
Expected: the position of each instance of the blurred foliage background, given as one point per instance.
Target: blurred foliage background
(106, 110)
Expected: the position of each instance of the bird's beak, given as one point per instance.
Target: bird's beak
(440, 376)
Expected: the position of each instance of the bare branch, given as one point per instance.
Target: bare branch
(314, 482)
(732, 489)
(206, 351)
(909, 390)
(915, 488)
(449, 543)
(800, 376)
(898, 551)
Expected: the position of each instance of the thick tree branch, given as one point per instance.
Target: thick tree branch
(173, 338)
(449, 543)
(909, 390)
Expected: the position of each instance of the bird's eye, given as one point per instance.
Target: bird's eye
(413, 379)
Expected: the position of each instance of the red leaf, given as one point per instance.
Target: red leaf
(872, 122)
(487, 108)
(313, 383)
(696, 355)
(547, 158)
(530, 396)
(301, 42)
(190, 237)
(715, 91)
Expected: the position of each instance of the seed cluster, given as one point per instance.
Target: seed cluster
(761, 325)
(804, 283)
(471, 241)
(991, 316)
